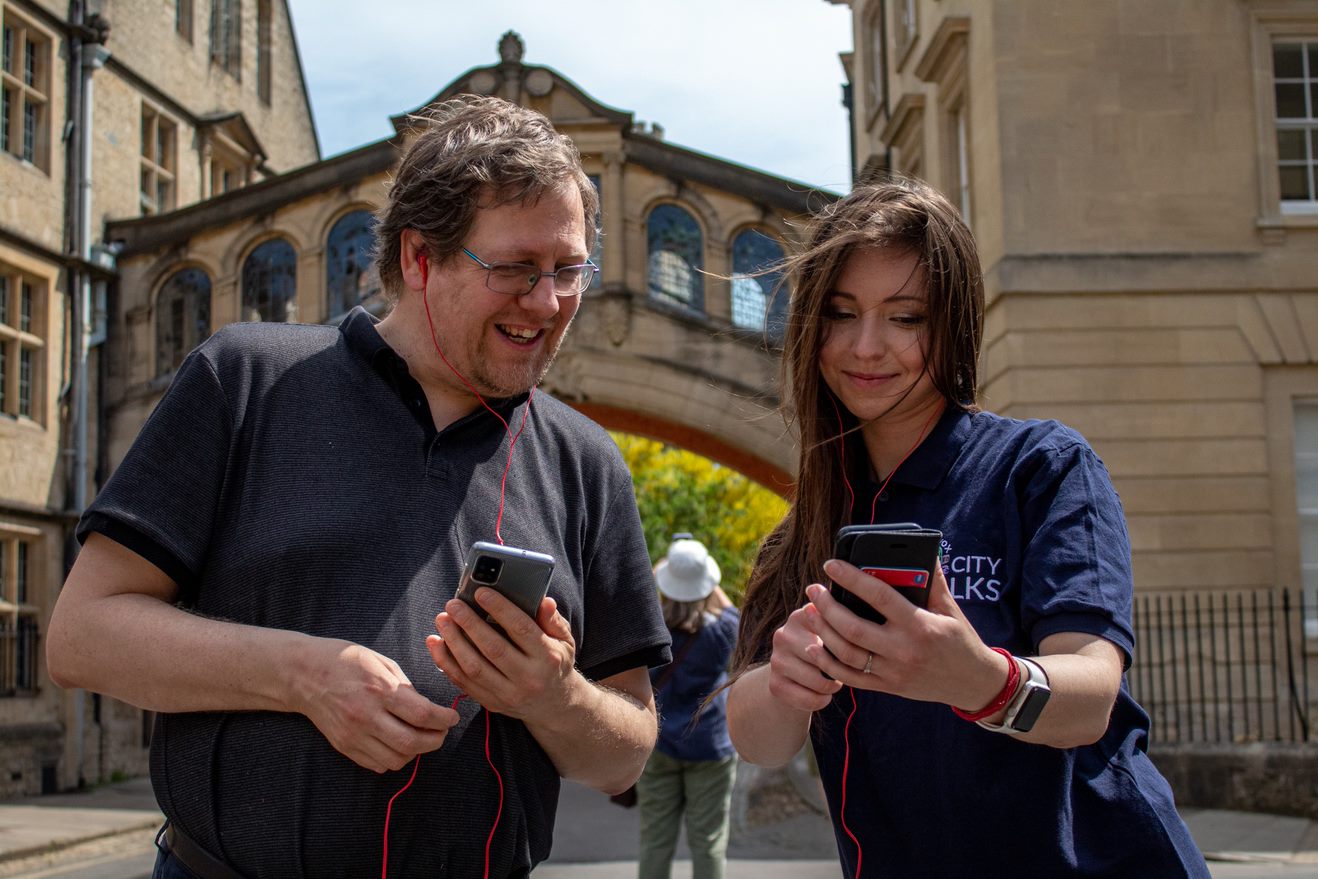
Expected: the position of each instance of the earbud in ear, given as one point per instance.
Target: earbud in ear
(424, 265)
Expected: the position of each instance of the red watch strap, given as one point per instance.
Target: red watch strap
(1000, 700)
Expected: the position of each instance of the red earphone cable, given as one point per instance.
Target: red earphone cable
(503, 485)
(846, 729)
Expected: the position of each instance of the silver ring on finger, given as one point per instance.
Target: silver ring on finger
(869, 664)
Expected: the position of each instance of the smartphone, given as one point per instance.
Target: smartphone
(901, 554)
(520, 575)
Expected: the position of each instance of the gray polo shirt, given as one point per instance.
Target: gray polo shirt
(292, 478)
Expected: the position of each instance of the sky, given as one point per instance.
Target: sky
(756, 82)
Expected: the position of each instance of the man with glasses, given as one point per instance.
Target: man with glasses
(273, 565)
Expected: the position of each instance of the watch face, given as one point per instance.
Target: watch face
(1036, 696)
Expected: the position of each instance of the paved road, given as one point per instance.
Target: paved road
(776, 837)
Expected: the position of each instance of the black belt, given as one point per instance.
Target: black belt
(196, 858)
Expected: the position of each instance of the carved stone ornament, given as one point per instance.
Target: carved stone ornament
(483, 82)
(615, 319)
(511, 48)
(539, 82)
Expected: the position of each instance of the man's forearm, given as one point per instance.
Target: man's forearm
(601, 738)
(156, 656)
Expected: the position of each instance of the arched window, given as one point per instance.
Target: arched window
(676, 250)
(350, 274)
(755, 296)
(270, 282)
(183, 317)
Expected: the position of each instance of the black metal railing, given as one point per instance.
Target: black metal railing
(1227, 667)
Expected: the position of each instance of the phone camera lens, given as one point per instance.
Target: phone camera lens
(487, 570)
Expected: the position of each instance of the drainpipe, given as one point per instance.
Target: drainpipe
(93, 55)
(851, 127)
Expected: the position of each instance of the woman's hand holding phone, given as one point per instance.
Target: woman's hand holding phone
(932, 655)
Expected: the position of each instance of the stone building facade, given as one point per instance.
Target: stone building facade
(209, 206)
(111, 109)
(1140, 177)
(676, 340)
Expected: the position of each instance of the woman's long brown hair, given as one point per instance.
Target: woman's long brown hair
(906, 216)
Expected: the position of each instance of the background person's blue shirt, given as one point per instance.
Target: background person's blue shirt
(1034, 543)
(701, 671)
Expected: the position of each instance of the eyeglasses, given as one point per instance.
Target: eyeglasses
(519, 278)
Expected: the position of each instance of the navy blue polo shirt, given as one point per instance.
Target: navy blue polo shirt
(702, 670)
(1034, 543)
(292, 477)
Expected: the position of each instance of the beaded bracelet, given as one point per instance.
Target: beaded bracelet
(1000, 700)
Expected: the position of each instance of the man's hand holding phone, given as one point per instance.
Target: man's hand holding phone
(507, 649)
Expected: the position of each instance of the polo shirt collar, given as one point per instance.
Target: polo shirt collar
(934, 457)
(364, 340)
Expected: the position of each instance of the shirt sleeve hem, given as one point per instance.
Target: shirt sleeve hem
(646, 657)
(135, 541)
(1088, 624)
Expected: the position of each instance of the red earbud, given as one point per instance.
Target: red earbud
(424, 265)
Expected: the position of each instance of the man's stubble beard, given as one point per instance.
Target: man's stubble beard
(488, 387)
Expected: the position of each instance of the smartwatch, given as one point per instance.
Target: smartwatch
(1026, 705)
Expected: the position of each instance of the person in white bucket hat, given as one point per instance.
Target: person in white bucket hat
(688, 572)
(694, 764)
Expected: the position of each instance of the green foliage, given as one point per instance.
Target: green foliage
(678, 490)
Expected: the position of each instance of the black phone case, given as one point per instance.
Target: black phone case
(896, 545)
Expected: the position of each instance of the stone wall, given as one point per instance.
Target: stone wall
(1277, 778)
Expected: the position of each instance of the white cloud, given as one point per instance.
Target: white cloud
(753, 81)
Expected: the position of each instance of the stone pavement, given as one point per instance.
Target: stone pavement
(777, 834)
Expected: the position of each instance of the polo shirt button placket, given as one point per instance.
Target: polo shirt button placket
(434, 460)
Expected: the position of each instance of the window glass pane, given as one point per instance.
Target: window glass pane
(30, 116)
(1305, 414)
(748, 302)
(1290, 144)
(25, 308)
(1288, 60)
(676, 249)
(25, 382)
(147, 190)
(4, 376)
(752, 253)
(670, 277)
(20, 575)
(162, 195)
(349, 271)
(25, 657)
(877, 61)
(182, 317)
(1313, 61)
(1290, 100)
(597, 252)
(1306, 483)
(8, 102)
(4, 299)
(9, 49)
(1294, 182)
(270, 283)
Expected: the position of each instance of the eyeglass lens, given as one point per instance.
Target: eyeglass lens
(518, 279)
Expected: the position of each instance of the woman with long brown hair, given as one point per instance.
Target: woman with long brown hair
(990, 734)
